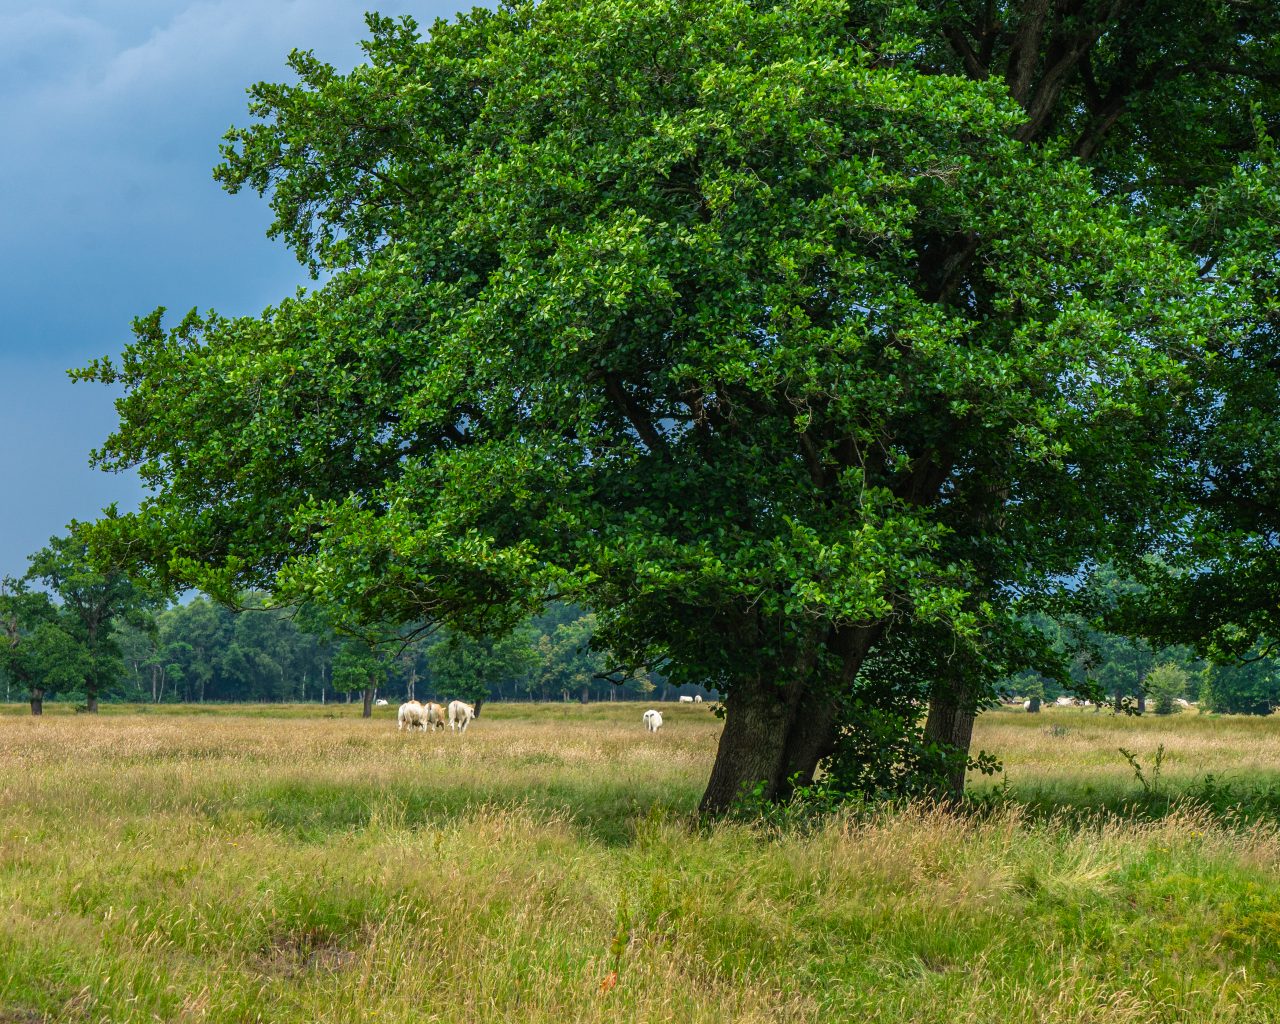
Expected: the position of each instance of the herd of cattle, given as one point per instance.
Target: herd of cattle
(430, 716)
(415, 715)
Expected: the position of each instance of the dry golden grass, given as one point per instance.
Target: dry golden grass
(1073, 753)
(546, 866)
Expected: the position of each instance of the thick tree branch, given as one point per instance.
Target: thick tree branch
(655, 442)
(973, 64)
(1024, 54)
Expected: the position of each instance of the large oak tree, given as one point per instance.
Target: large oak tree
(769, 331)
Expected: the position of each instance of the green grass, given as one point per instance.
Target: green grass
(284, 866)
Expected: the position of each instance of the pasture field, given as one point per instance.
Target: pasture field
(299, 864)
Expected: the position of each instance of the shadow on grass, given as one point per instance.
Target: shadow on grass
(1230, 800)
(312, 812)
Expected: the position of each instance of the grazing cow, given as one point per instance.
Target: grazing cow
(697, 698)
(686, 700)
(380, 703)
(652, 720)
(460, 715)
(411, 714)
(436, 715)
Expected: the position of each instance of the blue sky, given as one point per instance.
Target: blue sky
(111, 113)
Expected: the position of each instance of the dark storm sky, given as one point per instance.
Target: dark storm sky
(111, 114)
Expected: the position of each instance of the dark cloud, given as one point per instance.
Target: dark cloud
(112, 114)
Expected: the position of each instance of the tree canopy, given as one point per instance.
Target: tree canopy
(772, 333)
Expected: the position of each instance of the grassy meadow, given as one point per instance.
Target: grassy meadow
(300, 864)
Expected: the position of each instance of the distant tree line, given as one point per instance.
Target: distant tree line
(71, 632)
(1133, 674)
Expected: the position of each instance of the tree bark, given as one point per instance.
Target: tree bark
(477, 706)
(751, 747)
(37, 701)
(950, 722)
(586, 692)
(775, 735)
(1035, 706)
(368, 701)
(1142, 703)
(91, 703)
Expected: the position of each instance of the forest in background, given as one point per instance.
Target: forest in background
(200, 651)
(72, 631)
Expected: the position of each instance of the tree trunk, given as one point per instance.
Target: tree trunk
(477, 706)
(1142, 703)
(751, 747)
(950, 722)
(776, 735)
(91, 703)
(1035, 706)
(368, 701)
(586, 692)
(37, 700)
(813, 736)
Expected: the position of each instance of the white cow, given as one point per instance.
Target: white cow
(652, 720)
(436, 715)
(411, 714)
(697, 698)
(380, 703)
(686, 700)
(460, 715)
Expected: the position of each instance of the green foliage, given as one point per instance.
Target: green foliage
(887, 756)
(39, 648)
(1247, 688)
(466, 668)
(356, 667)
(1165, 683)
(63, 638)
(1149, 781)
(754, 327)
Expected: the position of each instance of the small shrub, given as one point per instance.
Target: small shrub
(1164, 685)
(1150, 785)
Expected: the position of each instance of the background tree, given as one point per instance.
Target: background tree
(37, 651)
(357, 667)
(465, 668)
(1165, 684)
(1242, 688)
(566, 662)
(830, 318)
(92, 600)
